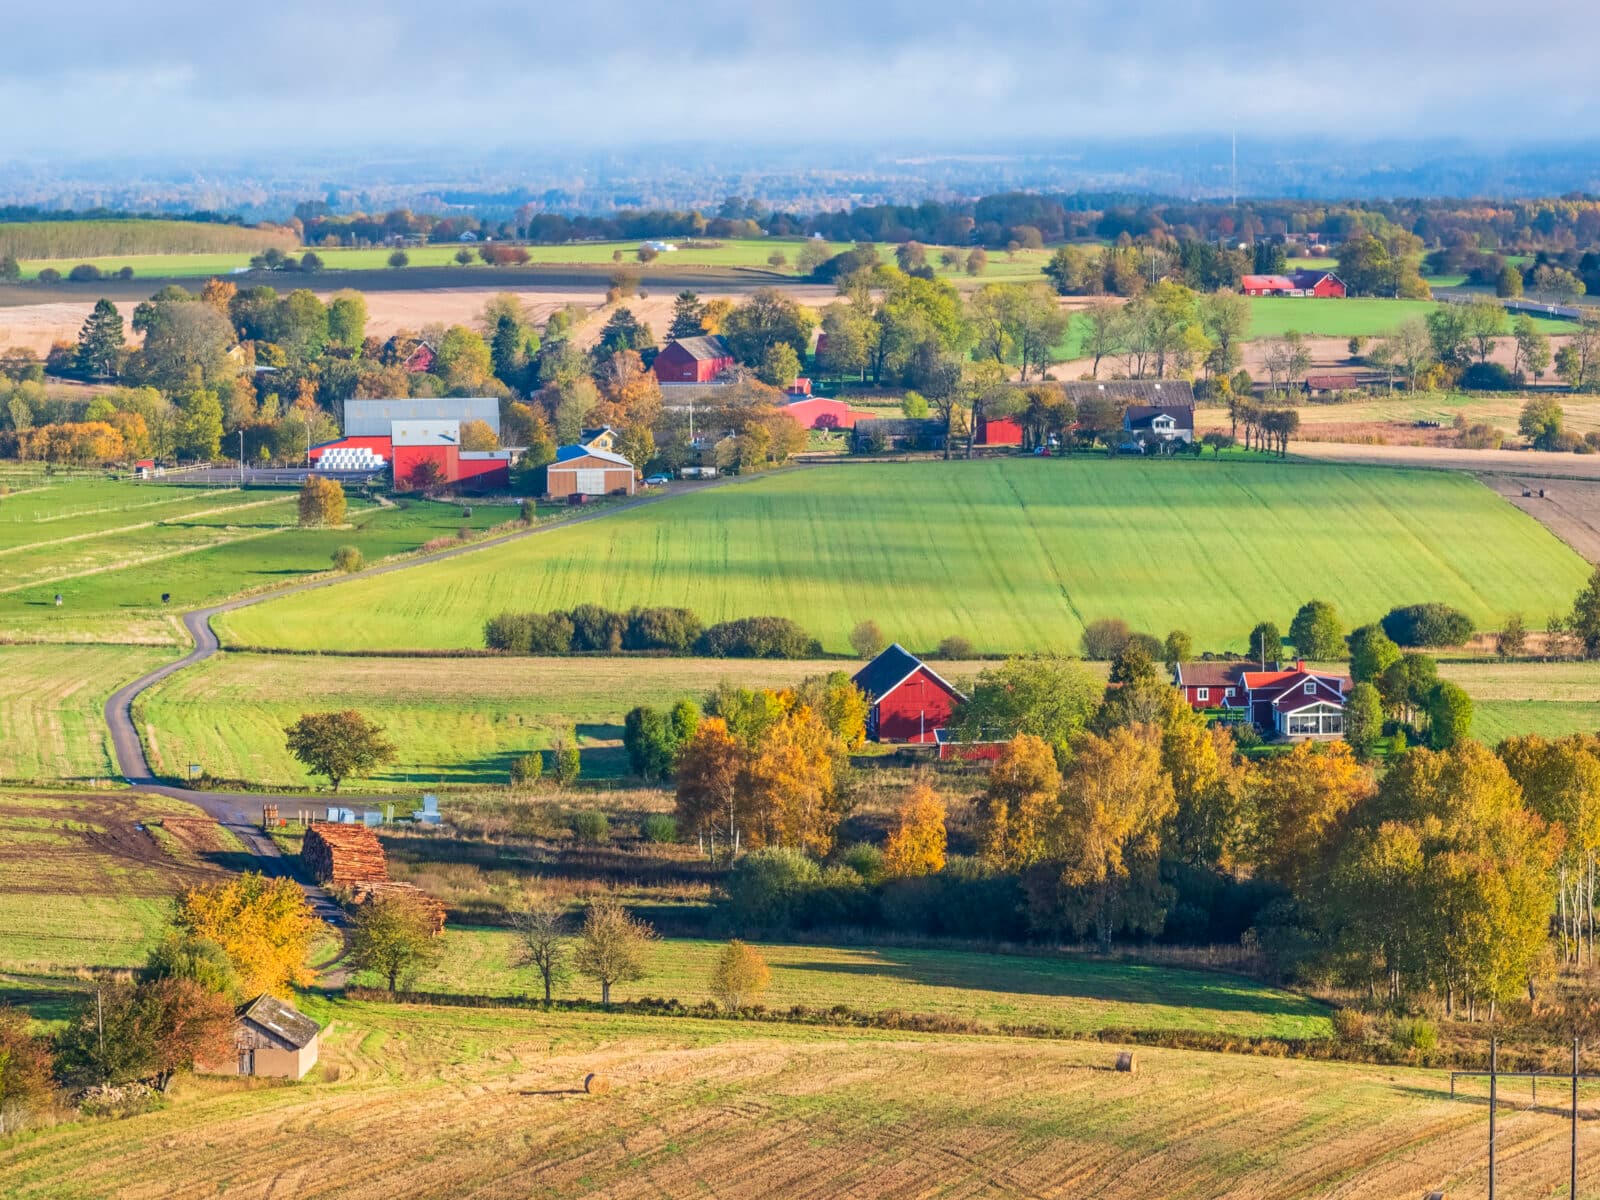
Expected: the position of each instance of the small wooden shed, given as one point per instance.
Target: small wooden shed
(271, 1039)
(579, 471)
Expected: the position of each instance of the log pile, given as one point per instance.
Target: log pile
(343, 855)
(366, 893)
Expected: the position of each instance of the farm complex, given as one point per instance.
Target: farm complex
(1026, 693)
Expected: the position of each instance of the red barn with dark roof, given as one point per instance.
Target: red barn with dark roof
(1211, 684)
(692, 360)
(910, 702)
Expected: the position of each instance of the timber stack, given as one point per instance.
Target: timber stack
(341, 856)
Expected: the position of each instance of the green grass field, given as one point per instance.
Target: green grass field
(749, 252)
(1015, 555)
(1362, 316)
(51, 727)
(453, 723)
(1551, 699)
(1068, 995)
(112, 548)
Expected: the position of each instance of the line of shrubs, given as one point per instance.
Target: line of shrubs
(591, 628)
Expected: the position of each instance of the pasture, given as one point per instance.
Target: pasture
(416, 1102)
(1013, 554)
(51, 727)
(1070, 996)
(741, 253)
(1551, 699)
(1360, 316)
(454, 723)
(110, 549)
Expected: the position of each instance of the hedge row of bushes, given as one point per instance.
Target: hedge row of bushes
(590, 628)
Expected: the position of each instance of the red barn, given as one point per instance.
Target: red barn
(1322, 284)
(998, 431)
(910, 703)
(692, 360)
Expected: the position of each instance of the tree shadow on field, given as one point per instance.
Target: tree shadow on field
(1070, 978)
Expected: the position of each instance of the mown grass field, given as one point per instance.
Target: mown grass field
(453, 723)
(1068, 995)
(51, 726)
(1359, 316)
(1014, 555)
(86, 878)
(67, 243)
(731, 252)
(1403, 408)
(112, 548)
(432, 1102)
(1551, 699)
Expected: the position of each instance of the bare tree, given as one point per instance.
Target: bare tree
(543, 941)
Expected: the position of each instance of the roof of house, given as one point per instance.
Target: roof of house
(892, 668)
(566, 454)
(1266, 282)
(372, 418)
(585, 436)
(283, 1019)
(1134, 391)
(900, 426)
(702, 348)
(1210, 674)
(1140, 416)
(1274, 686)
(1306, 278)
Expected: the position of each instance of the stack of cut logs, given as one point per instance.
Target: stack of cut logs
(343, 855)
(351, 857)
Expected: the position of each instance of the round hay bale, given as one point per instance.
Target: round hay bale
(1125, 1062)
(596, 1085)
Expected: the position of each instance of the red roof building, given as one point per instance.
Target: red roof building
(819, 412)
(1322, 284)
(910, 702)
(1293, 703)
(998, 431)
(1211, 684)
(692, 360)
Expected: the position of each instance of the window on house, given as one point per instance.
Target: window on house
(1311, 687)
(1228, 694)
(1202, 693)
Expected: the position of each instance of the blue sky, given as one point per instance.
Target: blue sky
(98, 76)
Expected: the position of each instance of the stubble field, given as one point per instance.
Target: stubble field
(1014, 555)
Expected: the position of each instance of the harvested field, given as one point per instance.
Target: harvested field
(86, 880)
(1570, 509)
(1552, 699)
(492, 1105)
(1014, 554)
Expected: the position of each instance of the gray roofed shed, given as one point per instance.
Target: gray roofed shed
(375, 418)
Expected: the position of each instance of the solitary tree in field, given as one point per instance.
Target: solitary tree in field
(399, 259)
(612, 947)
(867, 639)
(347, 559)
(739, 976)
(544, 942)
(340, 745)
(321, 502)
(1317, 632)
(394, 937)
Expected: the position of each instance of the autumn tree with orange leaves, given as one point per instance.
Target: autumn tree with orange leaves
(917, 844)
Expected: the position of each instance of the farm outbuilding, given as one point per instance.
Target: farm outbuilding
(818, 412)
(692, 360)
(1321, 284)
(581, 471)
(910, 702)
(271, 1040)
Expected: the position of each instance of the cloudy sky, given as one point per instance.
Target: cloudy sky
(96, 76)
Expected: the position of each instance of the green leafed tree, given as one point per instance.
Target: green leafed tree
(339, 745)
(393, 937)
(100, 343)
(1317, 632)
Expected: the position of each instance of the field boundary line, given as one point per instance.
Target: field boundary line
(174, 521)
(143, 562)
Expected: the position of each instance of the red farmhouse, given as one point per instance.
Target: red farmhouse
(692, 360)
(998, 431)
(910, 703)
(1288, 702)
(1322, 284)
(1211, 684)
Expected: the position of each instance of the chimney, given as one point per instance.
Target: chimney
(1300, 664)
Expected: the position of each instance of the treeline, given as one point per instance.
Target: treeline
(592, 629)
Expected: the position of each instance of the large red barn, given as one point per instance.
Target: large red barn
(692, 360)
(818, 412)
(910, 702)
(998, 431)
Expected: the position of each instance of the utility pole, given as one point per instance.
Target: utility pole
(1494, 1063)
(1572, 1188)
(241, 458)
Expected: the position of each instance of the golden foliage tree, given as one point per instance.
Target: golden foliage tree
(739, 976)
(1115, 801)
(264, 925)
(322, 502)
(1210, 786)
(1299, 798)
(709, 799)
(612, 946)
(790, 780)
(917, 844)
(1020, 801)
(478, 435)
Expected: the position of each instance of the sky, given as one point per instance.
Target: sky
(182, 76)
